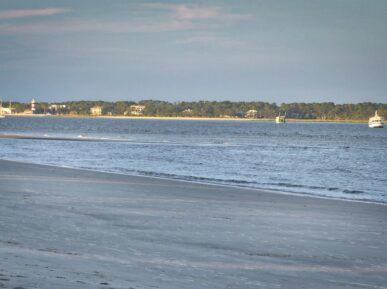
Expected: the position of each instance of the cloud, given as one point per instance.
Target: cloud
(20, 13)
(177, 18)
(195, 12)
(192, 13)
(94, 26)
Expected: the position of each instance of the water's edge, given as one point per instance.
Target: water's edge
(203, 182)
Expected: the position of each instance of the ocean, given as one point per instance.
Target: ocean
(336, 160)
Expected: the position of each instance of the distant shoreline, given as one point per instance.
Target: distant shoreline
(188, 118)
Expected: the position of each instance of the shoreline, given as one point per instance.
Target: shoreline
(202, 182)
(192, 118)
(73, 228)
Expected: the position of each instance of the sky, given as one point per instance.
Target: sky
(275, 51)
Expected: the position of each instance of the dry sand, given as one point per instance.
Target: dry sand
(66, 228)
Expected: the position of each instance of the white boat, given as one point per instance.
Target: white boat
(280, 119)
(2, 116)
(376, 121)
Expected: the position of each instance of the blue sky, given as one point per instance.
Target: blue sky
(276, 51)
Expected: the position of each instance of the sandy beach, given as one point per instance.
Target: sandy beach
(67, 228)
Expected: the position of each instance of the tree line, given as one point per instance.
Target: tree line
(224, 109)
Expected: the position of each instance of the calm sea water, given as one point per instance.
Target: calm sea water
(340, 160)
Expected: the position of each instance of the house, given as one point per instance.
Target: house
(96, 110)
(252, 113)
(6, 110)
(187, 111)
(56, 108)
(137, 109)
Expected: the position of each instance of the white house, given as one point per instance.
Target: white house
(96, 110)
(252, 113)
(137, 109)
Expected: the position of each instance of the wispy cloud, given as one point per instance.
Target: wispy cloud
(94, 26)
(20, 13)
(196, 12)
(164, 18)
(192, 13)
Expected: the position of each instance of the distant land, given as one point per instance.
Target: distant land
(201, 109)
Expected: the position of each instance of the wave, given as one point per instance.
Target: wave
(80, 137)
(289, 185)
(46, 137)
(278, 187)
(55, 138)
(353, 192)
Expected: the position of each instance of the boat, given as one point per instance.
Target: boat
(376, 121)
(2, 116)
(280, 118)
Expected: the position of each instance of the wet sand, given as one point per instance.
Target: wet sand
(66, 228)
